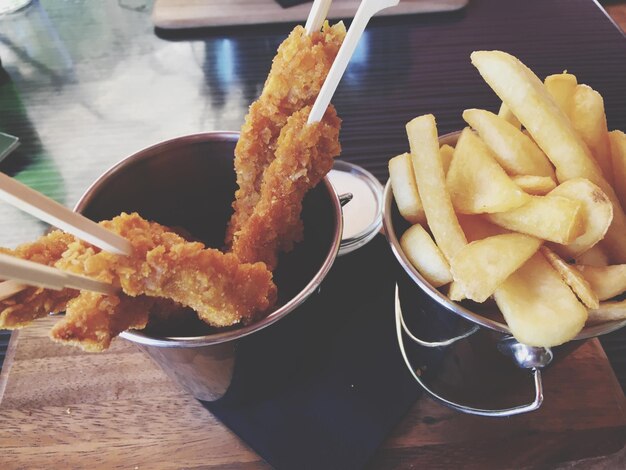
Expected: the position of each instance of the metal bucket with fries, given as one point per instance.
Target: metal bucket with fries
(516, 224)
(469, 317)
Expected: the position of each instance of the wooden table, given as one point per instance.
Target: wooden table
(88, 83)
(119, 410)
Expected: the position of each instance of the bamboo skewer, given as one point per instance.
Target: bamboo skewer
(10, 288)
(367, 9)
(40, 275)
(317, 15)
(36, 204)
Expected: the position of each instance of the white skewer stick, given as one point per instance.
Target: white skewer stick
(36, 204)
(367, 9)
(317, 15)
(10, 288)
(40, 275)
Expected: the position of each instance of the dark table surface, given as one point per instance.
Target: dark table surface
(86, 83)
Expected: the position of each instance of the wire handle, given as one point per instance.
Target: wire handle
(497, 413)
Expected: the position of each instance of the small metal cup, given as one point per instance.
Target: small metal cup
(189, 182)
(445, 317)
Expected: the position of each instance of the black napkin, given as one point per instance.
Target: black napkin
(350, 386)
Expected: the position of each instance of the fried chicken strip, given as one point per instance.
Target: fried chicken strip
(221, 289)
(304, 156)
(298, 71)
(35, 302)
(92, 320)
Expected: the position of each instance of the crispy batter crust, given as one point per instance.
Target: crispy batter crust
(92, 320)
(216, 285)
(34, 302)
(297, 74)
(304, 156)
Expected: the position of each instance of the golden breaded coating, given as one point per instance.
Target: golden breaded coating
(92, 320)
(298, 71)
(21, 309)
(304, 156)
(34, 302)
(221, 289)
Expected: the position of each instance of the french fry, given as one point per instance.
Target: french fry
(608, 311)
(617, 140)
(442, 221)
(425, 256)
(446, 152)
(480, 267)
(572, 278)
(535, 185)
(552, 218)
(539, 308)
(505, 113)
(589, 120)
(475, 181)
(405, 190)
(513, 150)
(455, 292)
(594, 256)
(476, 227)
(596, 210)
(528, 99)
(562, 87)
(606, 281)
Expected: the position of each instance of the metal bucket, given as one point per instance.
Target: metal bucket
(438, 320)
(189, 182)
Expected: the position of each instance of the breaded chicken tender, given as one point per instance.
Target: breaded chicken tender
(92, 320)
(35, 302)
(304, 156)
(221, 289)
(298, 71)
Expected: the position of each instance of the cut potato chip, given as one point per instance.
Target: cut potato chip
(405, 190)
(517, 154)
(552, 218)
(596, 211)
(475, 181)
(476, 227)
(528, 99)
(446, 152)
(455, 292)
(572, 278)
(589, 120)
(606, 281)
(422, 252)
(608, 311)
(539, 308)
(536, 185)
(480, 267)
(594, 256)
(442, 221)
(617, 140)
(562, 87)
(506, 114)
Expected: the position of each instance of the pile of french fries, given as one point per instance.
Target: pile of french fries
(526, 209)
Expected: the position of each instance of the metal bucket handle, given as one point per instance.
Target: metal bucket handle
(499, 413)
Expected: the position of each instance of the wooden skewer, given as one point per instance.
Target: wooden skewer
(367, 9)
(317, 15)
(10, 288)
(21, 196)
(40, 275)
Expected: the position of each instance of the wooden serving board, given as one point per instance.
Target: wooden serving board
(65, 408)
(181, 14)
